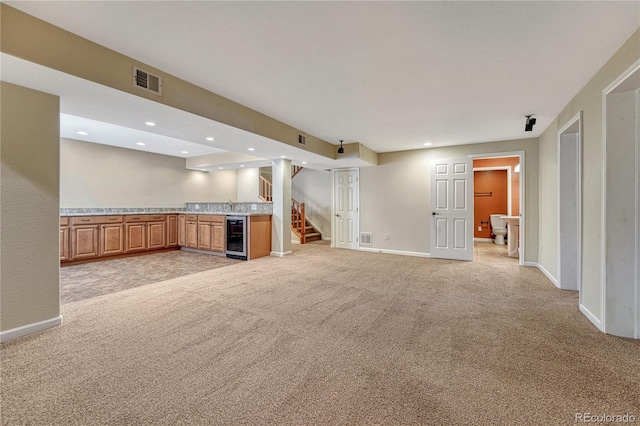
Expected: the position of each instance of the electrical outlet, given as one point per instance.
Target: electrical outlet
(386, 236)
(479, 228)
(254, 207)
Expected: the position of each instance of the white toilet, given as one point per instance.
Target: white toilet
(498, 228)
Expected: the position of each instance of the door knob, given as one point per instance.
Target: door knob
(434, 213)
(337, 215)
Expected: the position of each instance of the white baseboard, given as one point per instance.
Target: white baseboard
(29, 329)
(483, 240)
(544, 271)
(295, 241)
(280, 253)
(595, 321)
(400, 252)
(326, 239)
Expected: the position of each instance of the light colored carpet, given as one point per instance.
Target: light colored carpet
(324, 336)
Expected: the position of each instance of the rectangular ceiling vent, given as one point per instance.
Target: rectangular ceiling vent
(302, 140)
(147, 81)
(365, 238)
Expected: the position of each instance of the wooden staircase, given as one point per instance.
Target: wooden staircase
(299, 223)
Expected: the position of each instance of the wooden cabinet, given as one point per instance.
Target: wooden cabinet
(135, 237)
(218, 240)
(111, 239)
(64, 239)
(182, 230)
(156, 235)
(211, 232)
(191, 233)
(84, 241)
(172, 230)
(87, 237)
(259, 238)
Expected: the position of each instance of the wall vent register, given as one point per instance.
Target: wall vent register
(365, 238)
(147, 81)
(302, 140)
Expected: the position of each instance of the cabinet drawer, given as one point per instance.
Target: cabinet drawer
(192, 217)
(90, 220)
(211, 218)
(145, 218)
(64, 220)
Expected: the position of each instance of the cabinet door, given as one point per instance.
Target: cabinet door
(111, 239)
(135, 237)
(84, 241)
(204, 236)
(156, 233)
(172, 230)
(64, 243)
(182, 230)
(191, 234)
(217, 230)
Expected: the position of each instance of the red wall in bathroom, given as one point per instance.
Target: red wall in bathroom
(515, 178)
(494, 181)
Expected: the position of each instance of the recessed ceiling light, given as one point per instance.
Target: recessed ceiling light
(427, 144)
(220, 168)
(210, 139)
(82, 133)
(150, 123)
(241, 165)
(252, 149)
(283, 156)
(140, 143)
(304, 162)
(184, 152)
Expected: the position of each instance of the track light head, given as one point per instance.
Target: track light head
(528, 125)
(341, 149)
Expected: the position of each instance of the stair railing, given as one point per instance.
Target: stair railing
(265, 190)
(298, 220)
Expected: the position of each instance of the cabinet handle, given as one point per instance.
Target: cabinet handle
(85, 220)
(135, 218)
(113, 218)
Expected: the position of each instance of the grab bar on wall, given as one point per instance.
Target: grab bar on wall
(483, 194)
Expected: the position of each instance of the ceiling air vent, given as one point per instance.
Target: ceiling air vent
(365, 238)
(147, 81)
(302, 140)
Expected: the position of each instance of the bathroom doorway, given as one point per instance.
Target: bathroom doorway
(499, 189)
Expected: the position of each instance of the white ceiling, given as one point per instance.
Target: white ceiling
(391, 75)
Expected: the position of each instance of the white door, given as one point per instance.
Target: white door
(451, 209)
(346, 208)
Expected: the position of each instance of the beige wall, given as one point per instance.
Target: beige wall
(395, 196)
(29, 261)
(589, 101)
(248, 184)
(313, 188)
(93, 175)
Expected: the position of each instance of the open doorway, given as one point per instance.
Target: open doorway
(498, 191)
(569, 204)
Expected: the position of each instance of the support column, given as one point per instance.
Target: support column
(281, 219)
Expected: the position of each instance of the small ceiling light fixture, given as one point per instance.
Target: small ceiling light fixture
(184, 152)
(210, 139)
(427, 144)
(241, 165)
(220, 168)
(341, 149)
(140, 143)
(83, 133)
(150, 123)
(304, 162)
(528, 125)
(251, 149)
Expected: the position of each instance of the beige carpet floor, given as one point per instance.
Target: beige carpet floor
(324, 336)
